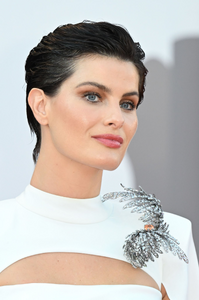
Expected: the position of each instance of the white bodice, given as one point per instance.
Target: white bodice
(38, 222)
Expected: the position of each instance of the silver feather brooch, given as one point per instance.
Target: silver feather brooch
(145, 244)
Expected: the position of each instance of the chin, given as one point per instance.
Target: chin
(112, 168)
(107, 162)
(110, 165)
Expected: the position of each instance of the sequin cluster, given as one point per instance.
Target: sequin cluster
(145, 244)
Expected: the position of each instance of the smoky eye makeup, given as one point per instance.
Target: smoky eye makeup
(92, 97)
(128, 105)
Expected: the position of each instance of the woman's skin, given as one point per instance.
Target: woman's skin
(164, 293)
(99, 98)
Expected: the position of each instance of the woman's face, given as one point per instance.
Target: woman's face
(93, 117)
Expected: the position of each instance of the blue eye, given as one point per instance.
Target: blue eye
(92, 97)
(127, 105)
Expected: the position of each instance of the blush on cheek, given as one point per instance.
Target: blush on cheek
(132, 129)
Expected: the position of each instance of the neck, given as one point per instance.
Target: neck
(64, 177)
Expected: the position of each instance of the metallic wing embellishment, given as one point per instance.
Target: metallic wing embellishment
(146, 244)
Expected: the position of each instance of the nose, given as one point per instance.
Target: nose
(114, 117)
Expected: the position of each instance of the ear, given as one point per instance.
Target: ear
(37, 101)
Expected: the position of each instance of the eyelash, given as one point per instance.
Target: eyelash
(92, 94)
(131, 103)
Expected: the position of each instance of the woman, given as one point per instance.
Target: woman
(59, 240)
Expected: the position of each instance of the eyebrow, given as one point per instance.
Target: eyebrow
(130, 94)
(98, 85)
(105, 89)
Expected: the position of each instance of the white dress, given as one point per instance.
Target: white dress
(37, 222)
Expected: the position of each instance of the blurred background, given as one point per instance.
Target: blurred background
(163, 156)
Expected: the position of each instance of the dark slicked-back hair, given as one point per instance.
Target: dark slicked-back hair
(53, 60)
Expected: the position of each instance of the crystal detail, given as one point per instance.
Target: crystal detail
(146, 244)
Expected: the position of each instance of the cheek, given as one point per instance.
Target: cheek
(74, 121)
(135, 126)
(131, 128)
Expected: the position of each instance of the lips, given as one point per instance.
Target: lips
(109, 140)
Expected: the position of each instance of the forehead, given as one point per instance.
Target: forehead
(106, 70)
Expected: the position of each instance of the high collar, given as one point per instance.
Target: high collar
(64, 209)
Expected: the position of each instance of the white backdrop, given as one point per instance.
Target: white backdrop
(155, 24)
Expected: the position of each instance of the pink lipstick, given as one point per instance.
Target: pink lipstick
(109, 140)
